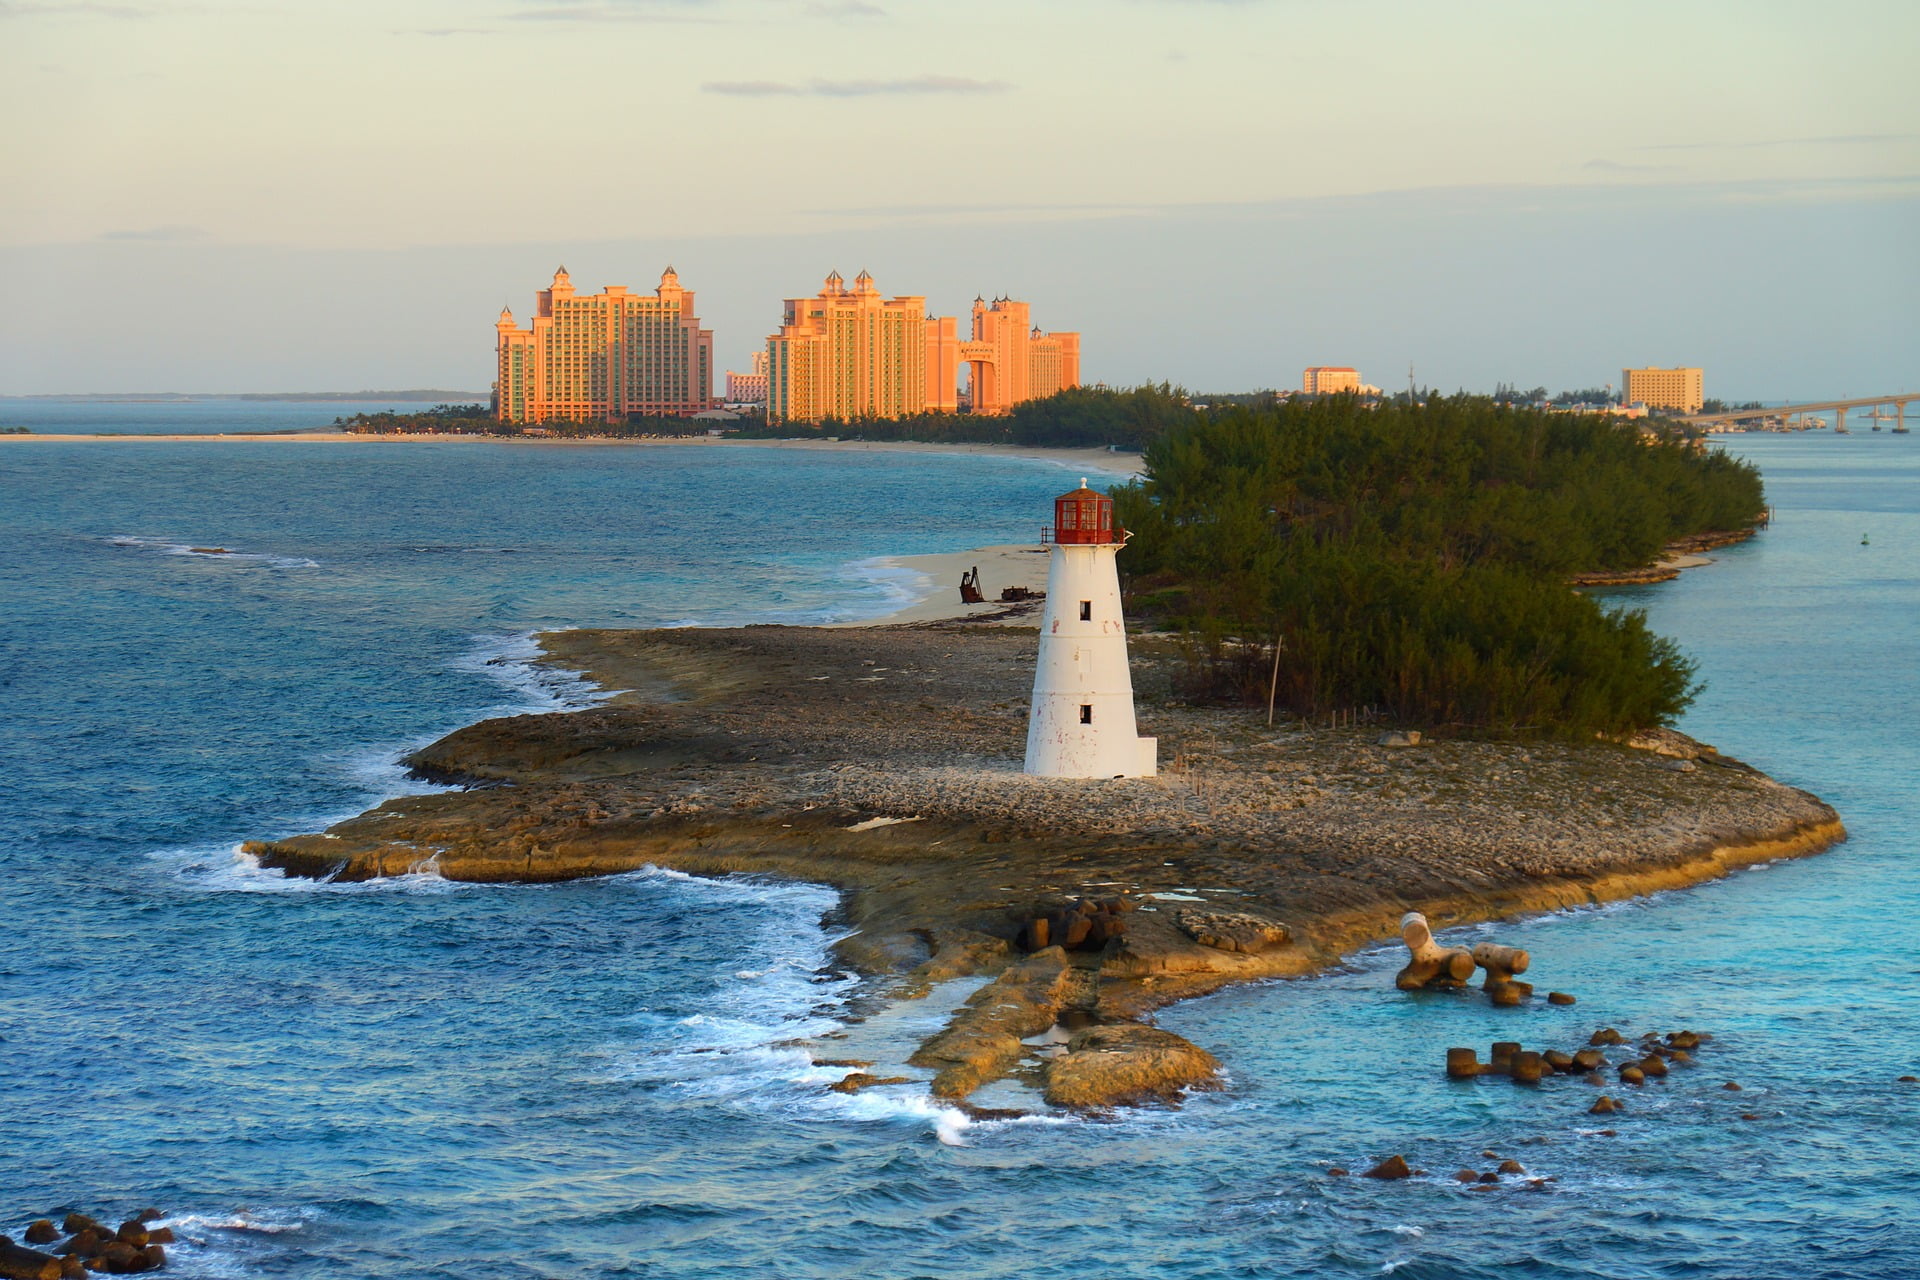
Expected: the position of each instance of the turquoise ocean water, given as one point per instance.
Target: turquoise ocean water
(413, 1078)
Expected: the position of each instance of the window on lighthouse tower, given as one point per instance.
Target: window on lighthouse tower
(1086, 713)
(1086, 611)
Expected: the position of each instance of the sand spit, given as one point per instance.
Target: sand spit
(774, 750)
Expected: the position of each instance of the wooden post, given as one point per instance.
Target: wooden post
(1273, 681)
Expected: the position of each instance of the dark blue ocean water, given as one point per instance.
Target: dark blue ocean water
(413, 1078)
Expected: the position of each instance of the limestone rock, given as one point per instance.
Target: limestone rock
(1399, 738)
(982, 1043)
(1108, 1065)
(1233, 930)
(40, 1231)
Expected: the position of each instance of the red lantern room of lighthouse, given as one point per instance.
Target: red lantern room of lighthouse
(1083, 518)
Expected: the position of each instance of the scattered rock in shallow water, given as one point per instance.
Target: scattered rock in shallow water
(859, 1080)
(1732, 1086)
(1489, 1179)
(28, 1264)
(1462, 1064)
(1680, 1058)
(1603, 1106)
(1606, 1035)
(1560, 997)
(1589, 1059)
(1338, 1172)
(1596, 1079)
(1631, 1073)
(1467, 1175)
(1652, 1065)
(40, 1231)
(133, 1232)
(1233, 930)
(1511, 1166)
(1502, 1055)
(1528, 1067)
(1560, 1061)
(1389, 1169)
(1748, 1115)
(75, 1223)
(1910, 1079)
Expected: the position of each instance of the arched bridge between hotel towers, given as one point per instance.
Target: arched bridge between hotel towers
(1838, 408)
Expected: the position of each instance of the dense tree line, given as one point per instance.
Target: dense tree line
(1414, 558)
(478, 420)
(1083, 417)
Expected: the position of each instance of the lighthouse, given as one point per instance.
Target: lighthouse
(1081, 723)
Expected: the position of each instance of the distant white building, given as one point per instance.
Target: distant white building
(1081, 723)
(749, 388)
(1326, 379)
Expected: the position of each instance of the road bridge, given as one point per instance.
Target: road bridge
(1838, 408)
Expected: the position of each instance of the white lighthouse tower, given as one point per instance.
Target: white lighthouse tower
(1081, 723)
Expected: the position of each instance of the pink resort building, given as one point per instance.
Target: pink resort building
(604, 356)
(852, 353)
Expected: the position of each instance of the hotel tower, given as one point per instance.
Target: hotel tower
(604, 356)
(852, 353)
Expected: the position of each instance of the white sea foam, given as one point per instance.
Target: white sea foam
(204, 551)
(228, 869)
(533, 686)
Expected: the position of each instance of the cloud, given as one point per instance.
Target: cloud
(174, 233)
(845, 9)
(853, 88)
(76, 9)
(445, 31)
(681, 11)
(1832, 140)
(1614, 166)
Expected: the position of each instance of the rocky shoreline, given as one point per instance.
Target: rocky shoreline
(885, 762)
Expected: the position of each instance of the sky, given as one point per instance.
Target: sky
(251, 195)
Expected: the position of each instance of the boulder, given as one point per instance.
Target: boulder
(1589, 1059)
(1603, 1106)
(1606, 1035)
(40, 1231)
(74, 1223)
(1105, 1066)
(1240, 931)
(1731, 1086)
(1399, 738)
(133, 1232)
(1528, 1067)
(17, 1262)
(1488, 1180)
(1467, 1175)
(1337, 1172)
(87, 1243)
(1653, 1066)
(1560, 997)
(1462, 1064)
(1389, 1169)
(1632, 1074)
(1909, 1079)
(160, 1235)
(1511, 1166)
